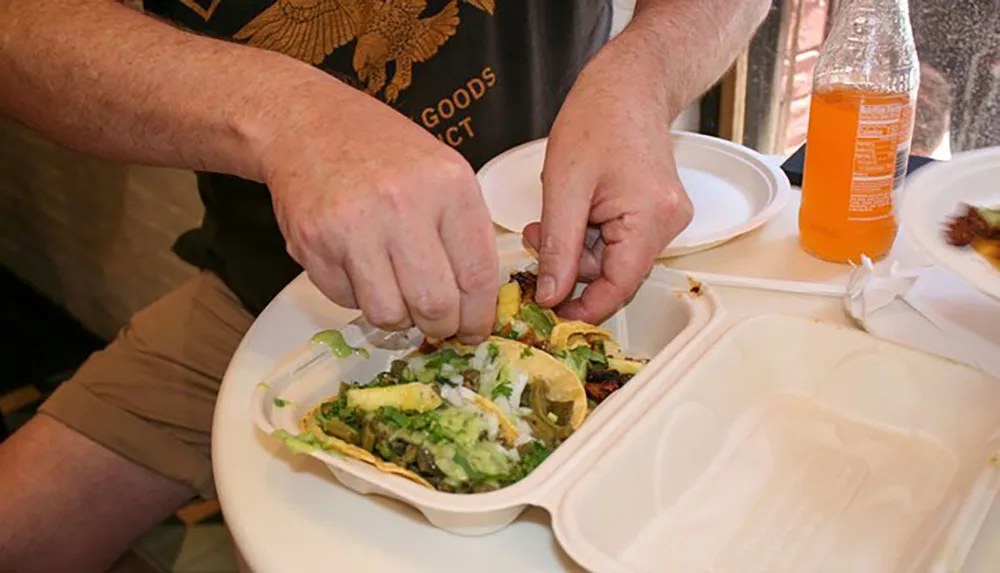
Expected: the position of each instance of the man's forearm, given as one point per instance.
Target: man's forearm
(99, 77)
(685, 46)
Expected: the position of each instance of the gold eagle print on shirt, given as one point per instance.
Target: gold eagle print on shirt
(386, 31)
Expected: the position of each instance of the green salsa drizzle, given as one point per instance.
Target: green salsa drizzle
(340, 348)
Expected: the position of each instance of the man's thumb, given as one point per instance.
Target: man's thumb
(558, 240)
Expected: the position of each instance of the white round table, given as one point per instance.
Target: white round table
(288, 514)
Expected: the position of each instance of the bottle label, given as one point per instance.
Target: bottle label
(881, 154)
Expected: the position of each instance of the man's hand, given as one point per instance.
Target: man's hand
(381, 215)
(610, 165)
(612, 196)
(385, 218)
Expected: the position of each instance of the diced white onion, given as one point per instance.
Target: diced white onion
(503, 403)
(492, 425)
(481, 357)
(523, 432)
(519, 327)
(513, 454)
(452, 395)
(517, 388)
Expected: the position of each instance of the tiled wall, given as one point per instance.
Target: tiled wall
(92, 235)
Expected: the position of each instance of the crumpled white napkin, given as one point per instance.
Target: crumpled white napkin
(869, 290)
(929, 309)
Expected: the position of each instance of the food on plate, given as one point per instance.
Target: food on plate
(979, 228)
(590, 351)
(475, 418)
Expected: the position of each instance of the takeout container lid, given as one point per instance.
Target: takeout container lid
(771, 444)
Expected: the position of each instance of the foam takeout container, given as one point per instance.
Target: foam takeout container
(772, 444)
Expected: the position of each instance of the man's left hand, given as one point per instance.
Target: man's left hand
(612, 197)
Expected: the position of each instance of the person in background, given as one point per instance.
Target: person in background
(933, 116)
(340, 137)
(961, 40)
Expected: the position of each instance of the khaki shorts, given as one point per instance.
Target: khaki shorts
(149, 396)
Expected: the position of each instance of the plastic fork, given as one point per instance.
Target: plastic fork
(318, 352)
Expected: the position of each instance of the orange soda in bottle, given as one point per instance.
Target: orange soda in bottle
(860, 128)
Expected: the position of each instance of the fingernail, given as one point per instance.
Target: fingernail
(546, 288)
(471, 340)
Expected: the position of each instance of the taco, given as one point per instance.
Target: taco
(519, 317)
(423, 420)
(978, 228)
(474, 418)
(589, 351)
(533, 390)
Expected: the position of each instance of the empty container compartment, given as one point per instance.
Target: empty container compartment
(792, 445)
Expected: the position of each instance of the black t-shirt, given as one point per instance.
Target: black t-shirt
(481, 75)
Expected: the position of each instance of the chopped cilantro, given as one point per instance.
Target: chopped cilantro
(339, 409)
(441, 358)
(576, 359)
(584, 354)
(527, 352)
(436, 434)
(580, 360)
(395, 417)
(425, 422)
(532, 456)
(279, 403)
(503, 389)
(493, 350)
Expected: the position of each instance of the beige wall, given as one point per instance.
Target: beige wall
(92, 235)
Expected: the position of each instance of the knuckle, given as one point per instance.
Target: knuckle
(457, 175)
(685, 210)
(308, 233)
(436, 305)
(387, 316)
(335, 290)
(393, 196)
(674, 205)
(553, 247)
(454, 167)
(479, 275)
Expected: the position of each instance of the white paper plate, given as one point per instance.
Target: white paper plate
(939, 191)
(733, 189)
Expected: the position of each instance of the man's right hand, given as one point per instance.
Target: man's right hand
(383, 217)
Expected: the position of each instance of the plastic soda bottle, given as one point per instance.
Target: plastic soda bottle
(860, 127)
